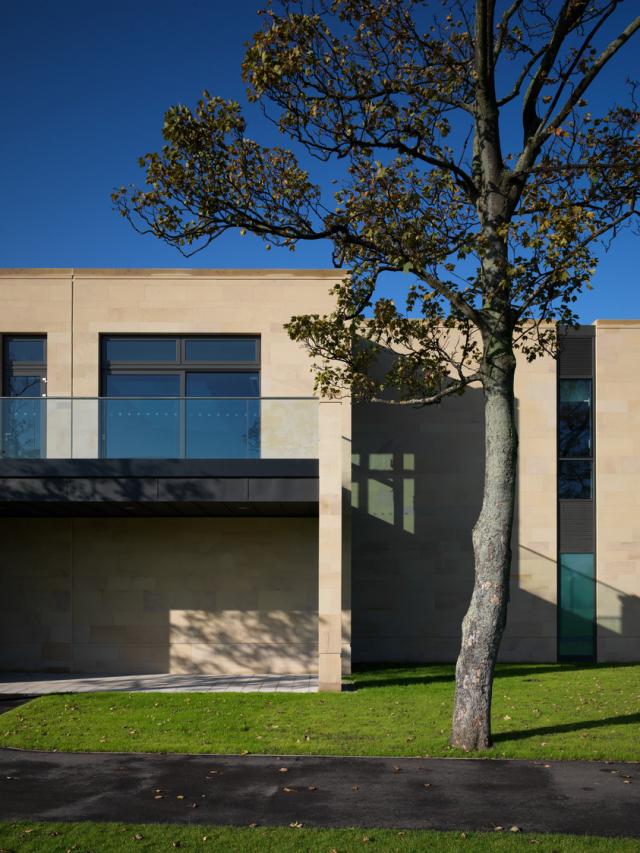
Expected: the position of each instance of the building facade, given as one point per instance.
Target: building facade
(175, 499)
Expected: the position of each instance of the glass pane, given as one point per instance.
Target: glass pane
(141, 349)
(221, 349)
(574, 418)
(142, 385)
(23, 428)
(140, 429)
(24, 386)
(223, 384)
(223, 429)
(24, 349)
(577, 605)
(575, 479)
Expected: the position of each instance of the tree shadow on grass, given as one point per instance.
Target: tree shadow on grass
(622, 719)
(366, 676)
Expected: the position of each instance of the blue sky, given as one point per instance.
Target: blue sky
(84, 86)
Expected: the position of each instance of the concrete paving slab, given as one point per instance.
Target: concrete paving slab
(576, 797)
(38, 684)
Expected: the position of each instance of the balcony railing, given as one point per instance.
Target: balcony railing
(158, 428)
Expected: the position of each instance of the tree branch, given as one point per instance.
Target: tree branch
(454, 388)
(536, 140)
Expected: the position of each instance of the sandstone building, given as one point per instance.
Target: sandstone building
(175, 499)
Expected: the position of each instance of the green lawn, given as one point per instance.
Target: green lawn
(541, 711)
(115, 838)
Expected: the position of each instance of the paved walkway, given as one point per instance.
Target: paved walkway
(20, 684)
(575, 797)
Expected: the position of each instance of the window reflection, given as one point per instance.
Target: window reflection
(575, 479)
(574, 418)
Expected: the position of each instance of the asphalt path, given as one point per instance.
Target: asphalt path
(596, 798)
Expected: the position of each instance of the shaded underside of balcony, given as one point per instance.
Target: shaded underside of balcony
(152, 487)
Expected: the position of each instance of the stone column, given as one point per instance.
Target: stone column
(330, 546)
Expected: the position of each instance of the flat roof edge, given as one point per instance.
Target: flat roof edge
(617, 324)
(159, 273)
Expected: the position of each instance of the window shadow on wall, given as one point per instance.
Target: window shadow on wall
(417, 491)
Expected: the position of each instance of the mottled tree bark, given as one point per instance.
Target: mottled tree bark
(484, 622)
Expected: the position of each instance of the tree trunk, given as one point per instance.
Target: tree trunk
(486, 617)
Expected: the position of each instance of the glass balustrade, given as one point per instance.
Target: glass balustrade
(158, 428)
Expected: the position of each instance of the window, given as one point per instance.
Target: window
(24, 378)
(177, 397)
(574, 418)
(575, 439)
(576, 607)
(140, 350)
(575, 479)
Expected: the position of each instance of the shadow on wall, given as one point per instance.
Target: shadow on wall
(189, 595)
(417, 492)
(417, 488)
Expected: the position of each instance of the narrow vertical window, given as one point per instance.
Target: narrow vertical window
(576, 622)
(575, 443)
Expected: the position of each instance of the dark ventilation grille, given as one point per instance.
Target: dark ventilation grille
(576, 527)
(576, 356)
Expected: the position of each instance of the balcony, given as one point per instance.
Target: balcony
(163, 455)
(159, 428)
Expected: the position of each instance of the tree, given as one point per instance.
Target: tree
(469, 161)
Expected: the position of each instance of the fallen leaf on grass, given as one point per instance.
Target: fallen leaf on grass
(138, 836)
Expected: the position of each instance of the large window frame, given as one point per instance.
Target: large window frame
(180, 366)
(236, 405)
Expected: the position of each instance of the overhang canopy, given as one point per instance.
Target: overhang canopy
(152, 487)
